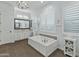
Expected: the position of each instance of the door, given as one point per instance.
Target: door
(0, 26)
(6, 23)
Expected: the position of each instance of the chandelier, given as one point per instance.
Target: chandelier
(22, 4)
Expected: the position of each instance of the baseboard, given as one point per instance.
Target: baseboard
(20, 39)
(5, 42)
(1, 43)
(61, 49)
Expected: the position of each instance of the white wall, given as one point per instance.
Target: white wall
(59, 26)
(8, 34)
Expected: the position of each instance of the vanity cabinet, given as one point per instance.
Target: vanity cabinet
(70, 47)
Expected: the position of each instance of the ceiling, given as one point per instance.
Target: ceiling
(32, 4)
(37, 5)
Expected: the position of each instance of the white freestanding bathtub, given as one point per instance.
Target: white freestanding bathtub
(43, 44)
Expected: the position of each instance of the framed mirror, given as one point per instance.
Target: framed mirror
(22, 23)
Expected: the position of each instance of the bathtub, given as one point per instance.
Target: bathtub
(43, 45)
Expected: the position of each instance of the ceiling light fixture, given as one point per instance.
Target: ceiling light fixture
(22, 4)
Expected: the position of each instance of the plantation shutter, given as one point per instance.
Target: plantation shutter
(71, 18)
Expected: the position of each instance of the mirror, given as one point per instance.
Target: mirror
(22, 23)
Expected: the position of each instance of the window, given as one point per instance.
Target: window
(47, 21)
(71, 18)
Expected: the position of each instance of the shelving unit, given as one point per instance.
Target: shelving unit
(70, 47)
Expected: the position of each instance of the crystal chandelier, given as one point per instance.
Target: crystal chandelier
(22, 4)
